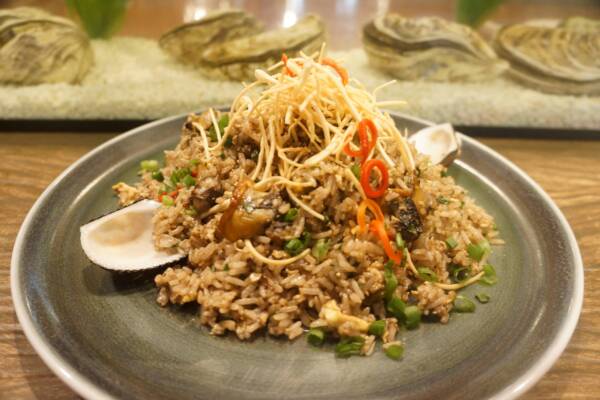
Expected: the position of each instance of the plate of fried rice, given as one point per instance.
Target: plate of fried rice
(302, 242)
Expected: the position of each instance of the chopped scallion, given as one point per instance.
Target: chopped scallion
(355, 168)
(297, 246)
(377, 328)
(390, 281)
(320, 249)
(458, 272)
(482, 298)
(167, 201)
(399, 241)
(394, 351)
(315, 337)
(164, 188)
(395, 306)
(427, 274)
(291, 215)
(188, 181)
(412, 315)
(179, 174)
(349, 346)
(158, 176)
(223, 122)
(463, 305)
(149, 165)
(489, 277)
(294, 246)
(451, 242)
(442, 200)
(191, 212)
(194, 162)
(478, 251)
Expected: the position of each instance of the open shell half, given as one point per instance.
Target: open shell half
(439, 142)
(122, 240)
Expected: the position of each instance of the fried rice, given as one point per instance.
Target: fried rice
(253, 193)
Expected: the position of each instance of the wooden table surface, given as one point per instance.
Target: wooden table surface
(568, 170)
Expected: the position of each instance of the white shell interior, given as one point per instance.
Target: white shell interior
(439, 142)
(122, 241)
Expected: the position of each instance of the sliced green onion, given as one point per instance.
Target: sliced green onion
(315, 337)
(179, 174)
(294, 246)
(444, 173)
(482, 298)
(297, 246)
(164, 188)
(306, 237)
(427, 274)
(458, 272)
(489, 277)
(394, 351)
(320, 249)
(226, 267)
(442, 200)
(377, 328)
(223, 122)
(191, 212)
(149, 165)
(404, 257)
(390, 281)
(395, 306)
(158, 176)
(355, 168)
(477, 251)
(194, 162)
(412, 315)
(463, 305)
(451, 242)
(167, 201)
(399, 241)
(291, 215)
(349, 346)
(188, 181)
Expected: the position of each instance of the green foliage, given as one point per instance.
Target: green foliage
(474, 12)
(100, 18)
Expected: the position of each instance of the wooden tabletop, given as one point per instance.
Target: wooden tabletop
(568, 170)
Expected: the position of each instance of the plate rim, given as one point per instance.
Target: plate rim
(88, 389)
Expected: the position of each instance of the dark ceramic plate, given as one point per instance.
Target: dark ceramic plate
(104, 335)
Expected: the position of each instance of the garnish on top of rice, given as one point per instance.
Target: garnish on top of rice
(304, 208)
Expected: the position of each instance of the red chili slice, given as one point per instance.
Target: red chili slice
(366, 143)
(366, 175)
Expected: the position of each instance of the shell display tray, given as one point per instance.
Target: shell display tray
(133, 80)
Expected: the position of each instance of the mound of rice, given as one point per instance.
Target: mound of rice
(340, 289)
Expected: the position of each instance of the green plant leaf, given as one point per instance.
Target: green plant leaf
(100, 18)
(474, 12)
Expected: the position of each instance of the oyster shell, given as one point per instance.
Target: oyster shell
(564, 59)
(237, 59)
(429, 48)
(439, 142)
(37, 47)
(185, 43)
(580, 23)
(122, 240)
